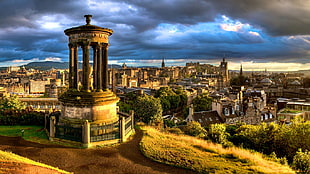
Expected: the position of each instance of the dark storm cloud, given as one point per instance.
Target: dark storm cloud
(17, 13)
(144, 29)
(277, 17)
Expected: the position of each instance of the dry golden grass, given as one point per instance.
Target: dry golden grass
(202, 156)
(11, 157)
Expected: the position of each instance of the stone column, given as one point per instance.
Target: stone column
(105, 67)
(86, 71)
(95, 69)
(99, 68)
(71, 64)
(75, 67)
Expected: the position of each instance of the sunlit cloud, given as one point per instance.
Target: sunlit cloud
(254, 33)
(50, 22)
(54, 59)
(270, 66)
(24, 61)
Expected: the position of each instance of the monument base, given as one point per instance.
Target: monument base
(97, 107)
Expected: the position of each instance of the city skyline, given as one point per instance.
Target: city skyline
(260, 34)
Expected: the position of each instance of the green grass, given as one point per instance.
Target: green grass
(291, 111)
(11, 157)
(31, 133)
(202, 156)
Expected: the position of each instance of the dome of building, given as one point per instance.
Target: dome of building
(295, 82)
(266, 81)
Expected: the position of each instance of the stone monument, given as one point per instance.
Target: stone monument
(89, 111)
(93, 102)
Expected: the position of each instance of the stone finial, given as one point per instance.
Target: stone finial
(88, 19)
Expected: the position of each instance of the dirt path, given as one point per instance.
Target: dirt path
(20, 168)
(125, 158)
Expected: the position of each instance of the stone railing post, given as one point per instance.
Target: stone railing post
(122, 124)
(86, 134)
(52, 127)
(132, 113)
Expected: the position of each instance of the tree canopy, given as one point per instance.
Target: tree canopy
(202, 103)
(148, 109)
(171, 98)
(11, 102)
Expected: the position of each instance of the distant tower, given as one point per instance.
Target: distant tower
(224, 71)
(241, 73)
(163, 63)
(124, 66)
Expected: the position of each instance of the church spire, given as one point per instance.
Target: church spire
(163, 63)
(241, 73)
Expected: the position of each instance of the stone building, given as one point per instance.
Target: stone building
(205, 118)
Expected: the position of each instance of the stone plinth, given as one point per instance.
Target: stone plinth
(97, 107)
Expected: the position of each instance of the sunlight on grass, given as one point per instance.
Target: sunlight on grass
(202, 156)
(11, 157)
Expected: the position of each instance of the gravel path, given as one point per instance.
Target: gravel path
(123, 159)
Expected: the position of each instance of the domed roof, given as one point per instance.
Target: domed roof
(266, 81)
(295, 82)
(87, 28)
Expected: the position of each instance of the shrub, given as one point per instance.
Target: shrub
(194, 129)
(175, 130)
(301, 161)
(24, 117)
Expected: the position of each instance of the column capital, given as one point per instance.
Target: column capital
(85, 44)
(105, 45)
(96, 46)
(72, 45)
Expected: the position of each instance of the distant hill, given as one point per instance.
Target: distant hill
(147, 67)
(56, 65)
(47, 65)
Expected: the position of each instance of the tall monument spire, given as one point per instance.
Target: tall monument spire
(241, 73)
(163, 63)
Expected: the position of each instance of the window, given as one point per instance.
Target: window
(226, 112)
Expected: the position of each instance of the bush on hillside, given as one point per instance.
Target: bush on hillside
(301, 161)
(24, 117)
(194, 129)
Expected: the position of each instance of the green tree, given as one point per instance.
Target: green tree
(301, 161)
(217, 133)
(194, 128)
(284, 140)
(171, 99)
(148, 109)
(202, 103)
(11, 102)
(124, 107)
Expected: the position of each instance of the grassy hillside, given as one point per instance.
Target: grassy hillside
(202, 156)
(7, 157)
(31, 133)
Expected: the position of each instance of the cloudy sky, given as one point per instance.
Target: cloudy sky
(259, 34)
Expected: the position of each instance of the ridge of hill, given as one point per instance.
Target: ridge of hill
(203, 156)
(47, 65)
